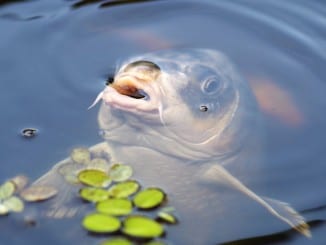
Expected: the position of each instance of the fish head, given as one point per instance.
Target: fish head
(189, 104)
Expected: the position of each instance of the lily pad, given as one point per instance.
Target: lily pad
(149, 198)
(38, 193)
(100, 164)
(94, 178)
(70, 171)
(142, 227)
(124, 189)
(116, 207)
(117, 241)
(7, 190)
(167, 217)
(14, 204)
(101, 223)
(20, 182)
(4, 210)
(80, 155)
(120, 172)
(93, 194)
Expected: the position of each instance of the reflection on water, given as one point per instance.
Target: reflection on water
(104, 4)
(54, 64)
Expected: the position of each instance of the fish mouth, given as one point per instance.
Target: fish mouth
(130, 93)
(130, 86)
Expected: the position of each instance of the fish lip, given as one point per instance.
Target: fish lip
(114, 98)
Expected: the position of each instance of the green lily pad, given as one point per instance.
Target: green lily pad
(38, 193)
(117, 241)
(167, 217)
(149, 198)
(124, 189)
(14, 204)
(120, 172)
(93, 194)
(116, 207)
(142, 227)
(80, 155)
(101, 223)
(94, 178)
(7, 190)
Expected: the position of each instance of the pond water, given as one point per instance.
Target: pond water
(56, 56)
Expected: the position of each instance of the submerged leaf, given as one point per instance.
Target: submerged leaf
(94, 177)
(38, 193)
(116, 207)
(80, 155)
(124, 189)
(120, 172)
(149, 198)
(70, 171)
(101, 223)
(7, 190)
(3, 209)
(142, 227)
(93, 194)
(117, 241)
(100, 164)
(20, 182)
(14, 204)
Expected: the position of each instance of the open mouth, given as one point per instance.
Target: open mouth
(134, 88)
(134, 77)
(130, 93)
(131, 87)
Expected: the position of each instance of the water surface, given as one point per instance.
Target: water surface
(56, 55)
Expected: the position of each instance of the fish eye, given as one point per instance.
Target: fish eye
(211, 85)
(143, 64)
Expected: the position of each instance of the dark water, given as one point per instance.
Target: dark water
(56, 55)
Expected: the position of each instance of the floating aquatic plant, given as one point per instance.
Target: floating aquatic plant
(92, 194)
(100, 164)
(124, 189)
(94, 178)
(142, 227)
(149, 198)
(80, 155)
(115, 206)
(81, 159)
(101, 223)
(8, 202)
(38, 193)
(166, 217)
(117, 241)
(118, 200)
(120, 172)
(20, 182)
(7, 190)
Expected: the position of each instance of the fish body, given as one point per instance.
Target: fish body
(184, 120)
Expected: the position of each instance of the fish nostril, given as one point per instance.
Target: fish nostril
(109, 81)
(203, 108)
